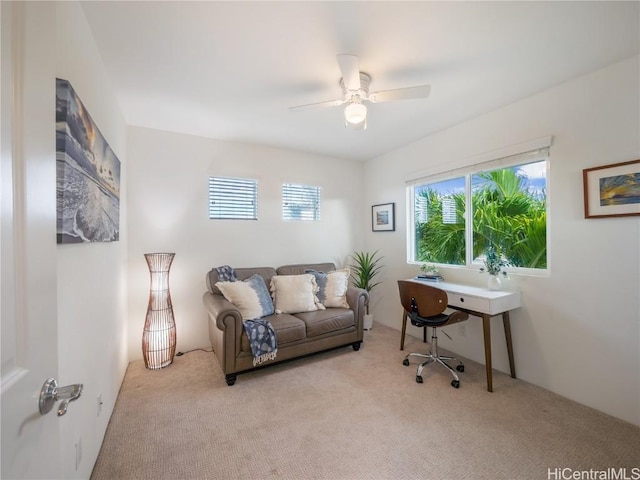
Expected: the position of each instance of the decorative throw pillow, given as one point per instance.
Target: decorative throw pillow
(295, 293)
(321, 281)
(336, 289)
(332, 287)
(250, 296)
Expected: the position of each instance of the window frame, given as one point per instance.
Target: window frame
(524, 157)
(235, 209)
(289, 192)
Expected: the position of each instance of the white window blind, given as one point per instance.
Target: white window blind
(300, 202)
(503, 162)
(449, 211)
(422, 209)
(528, 152)
(233, 198)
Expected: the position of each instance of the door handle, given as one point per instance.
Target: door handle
(51, 393)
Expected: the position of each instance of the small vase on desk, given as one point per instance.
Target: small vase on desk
(494, 282)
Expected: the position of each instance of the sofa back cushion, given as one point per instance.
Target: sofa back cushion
(242, 274)
(299, 269)
(266, 273)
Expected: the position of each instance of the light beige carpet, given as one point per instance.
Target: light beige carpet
(353, 415)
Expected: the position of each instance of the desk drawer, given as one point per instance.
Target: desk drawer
(469, 302)
(479, 299)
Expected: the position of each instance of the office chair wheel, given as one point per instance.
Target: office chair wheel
(460, 368)
(405, 362)
(418, 379)
(455, 383)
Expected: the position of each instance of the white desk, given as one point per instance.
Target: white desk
(483, 303)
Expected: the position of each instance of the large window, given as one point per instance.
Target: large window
(502, 205)
(300, 202)
(233, 198)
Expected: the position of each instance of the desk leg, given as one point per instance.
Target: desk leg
(507, 334)
(486, 327)
(404, 328)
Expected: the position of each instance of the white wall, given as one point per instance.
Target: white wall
(578, 332)
(167, 211)
(91, 276)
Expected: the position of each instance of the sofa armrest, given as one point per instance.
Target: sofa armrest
(222, 311)
(225, 329)
(358, 299)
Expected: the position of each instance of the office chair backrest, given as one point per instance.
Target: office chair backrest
(429, 300)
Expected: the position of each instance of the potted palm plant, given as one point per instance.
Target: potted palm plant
(364, 270)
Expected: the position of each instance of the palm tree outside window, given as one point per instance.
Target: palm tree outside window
(507, 212)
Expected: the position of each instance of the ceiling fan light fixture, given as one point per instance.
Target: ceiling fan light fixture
(355, 91)
(355, 113)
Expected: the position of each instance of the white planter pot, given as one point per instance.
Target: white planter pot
(367, 322)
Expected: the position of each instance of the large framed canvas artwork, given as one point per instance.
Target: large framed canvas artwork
(88, 175)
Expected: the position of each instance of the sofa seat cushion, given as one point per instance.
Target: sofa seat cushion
(287, 327)
(325, 321)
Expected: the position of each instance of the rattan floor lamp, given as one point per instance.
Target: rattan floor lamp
(159, 335)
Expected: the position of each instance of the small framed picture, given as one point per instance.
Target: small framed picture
(612, 190)
(383, 217)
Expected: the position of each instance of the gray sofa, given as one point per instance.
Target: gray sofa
(297, 334)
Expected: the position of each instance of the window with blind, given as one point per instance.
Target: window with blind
(501, 204)
(300, 202)
(233, 198)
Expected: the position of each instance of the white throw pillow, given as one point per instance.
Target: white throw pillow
(295, 293)
(250, 296)
(336, 289)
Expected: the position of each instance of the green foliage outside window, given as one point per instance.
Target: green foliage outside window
(507, 217)
(440, 242)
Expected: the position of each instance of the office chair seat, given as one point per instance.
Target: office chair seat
(424, 305)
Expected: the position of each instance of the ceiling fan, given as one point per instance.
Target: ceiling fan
(355, 89)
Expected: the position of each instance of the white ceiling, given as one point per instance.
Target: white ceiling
(230, 70)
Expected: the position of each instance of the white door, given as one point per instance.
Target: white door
(30, 441)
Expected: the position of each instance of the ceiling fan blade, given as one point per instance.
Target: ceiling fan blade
(314, 106)
(420, 91)
(350, 71)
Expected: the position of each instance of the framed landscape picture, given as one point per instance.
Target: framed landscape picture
(612, 190)
(87, 175)
(383, 217)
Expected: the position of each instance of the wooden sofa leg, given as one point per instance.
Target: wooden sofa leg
(356, 346)
(231, 379)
